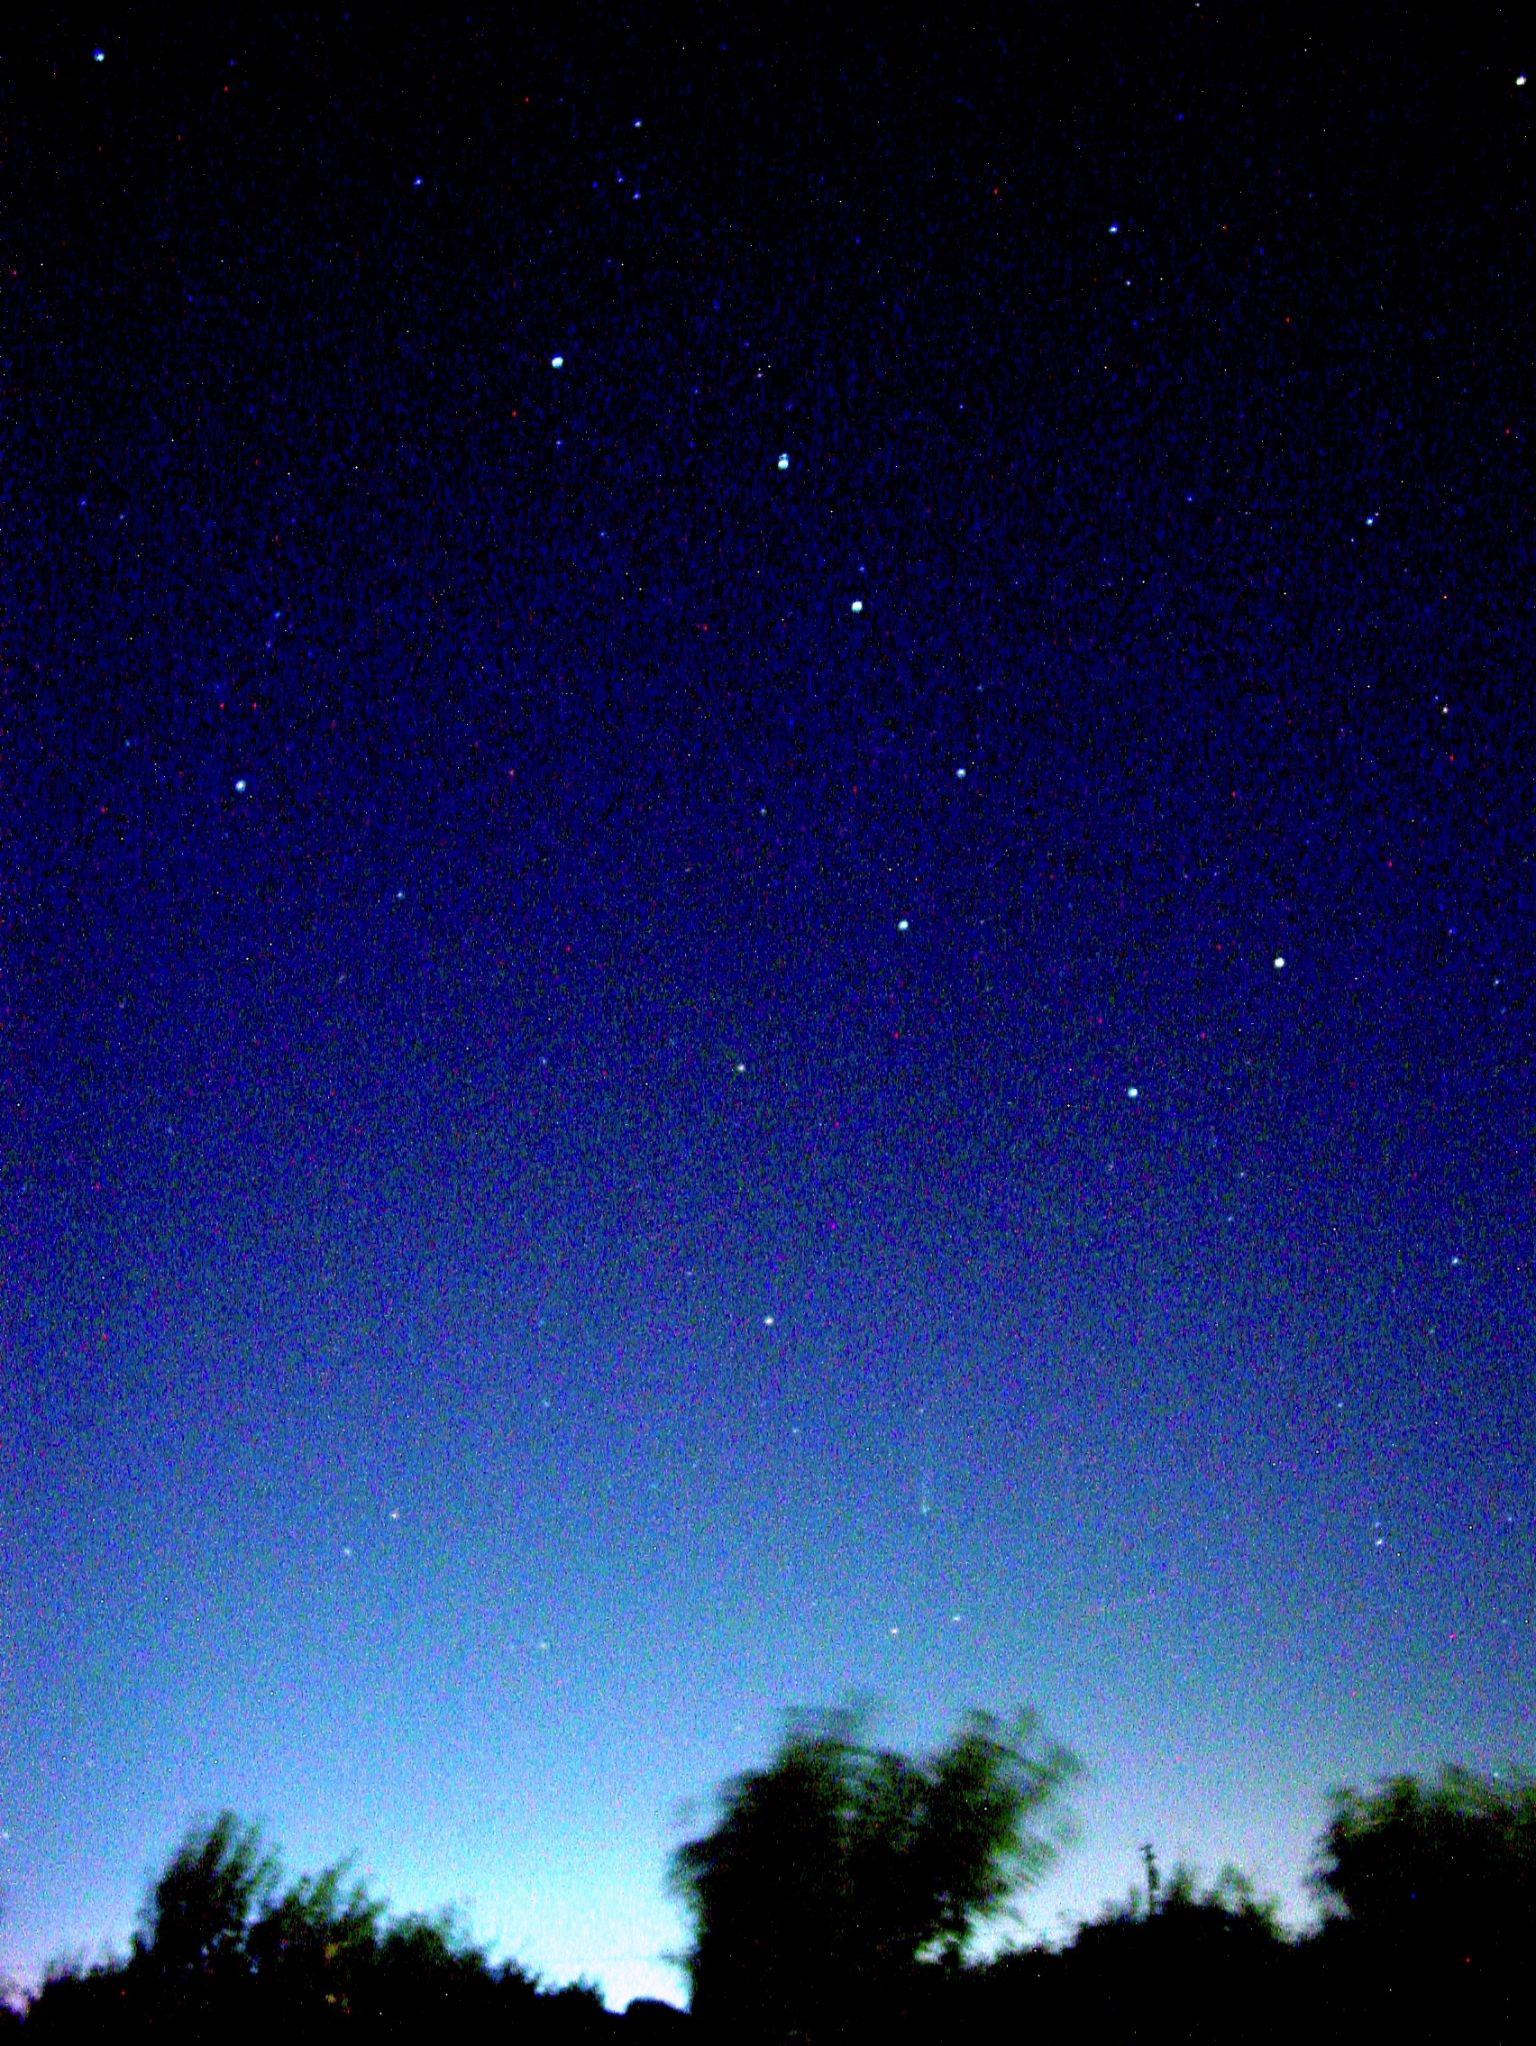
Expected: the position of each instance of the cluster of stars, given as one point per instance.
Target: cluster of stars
(1162, 1141)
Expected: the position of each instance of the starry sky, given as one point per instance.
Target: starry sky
(765, 902)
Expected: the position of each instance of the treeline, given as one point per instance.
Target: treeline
(838, 1895)
(837, 1898)
(225, 1951)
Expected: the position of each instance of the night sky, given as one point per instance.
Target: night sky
(766, 906)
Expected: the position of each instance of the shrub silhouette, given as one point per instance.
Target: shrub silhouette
(1184, 1964)
(224, 1954)
(841, 1880)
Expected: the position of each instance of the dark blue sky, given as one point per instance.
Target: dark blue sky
(767, 848)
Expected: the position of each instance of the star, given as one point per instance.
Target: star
(857, 604)
(557, 362)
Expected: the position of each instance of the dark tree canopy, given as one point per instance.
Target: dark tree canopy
(835, 1899)
(194, 1925)
(1412, 1857)
(835, 1875)
(1433, 1888)
(224, 1952)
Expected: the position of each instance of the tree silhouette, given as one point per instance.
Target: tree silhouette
(837, 1882)
(1431, 1894)
(312, 1953)
(223, 1954)
(191, 1966)
(836, 1897)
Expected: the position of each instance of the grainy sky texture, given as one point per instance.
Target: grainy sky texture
(765, 929)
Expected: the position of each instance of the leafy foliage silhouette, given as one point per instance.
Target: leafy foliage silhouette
(314, 1948)
(838, 1882)
(224, 1953)
(836, 1898)
(1184, 1963)
(1430, 1891)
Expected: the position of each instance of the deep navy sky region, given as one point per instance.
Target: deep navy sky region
(767, 896)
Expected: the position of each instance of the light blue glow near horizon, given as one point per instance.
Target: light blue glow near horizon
(590, 1902)
(338, 1631)
(559, 1860)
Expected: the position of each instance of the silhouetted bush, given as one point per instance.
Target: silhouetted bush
(647, 2019)
(81, 2004)
(224, 1955)
(833, 1900)
(1192, 1967)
